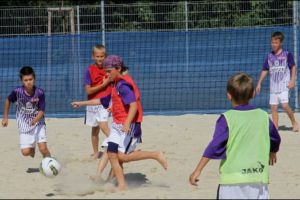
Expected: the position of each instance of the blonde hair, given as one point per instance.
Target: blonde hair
(99, 47)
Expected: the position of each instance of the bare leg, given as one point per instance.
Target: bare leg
(274, 115)
(44, 149)
(104, 128)
(143, 155)
(101, 166)
(28, 152)
(290, 114)
(95, 141)
(117, 169)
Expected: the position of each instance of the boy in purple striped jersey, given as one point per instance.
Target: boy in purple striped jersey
(281, 65)
(30, 104)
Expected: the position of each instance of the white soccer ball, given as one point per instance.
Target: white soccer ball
(50, 167)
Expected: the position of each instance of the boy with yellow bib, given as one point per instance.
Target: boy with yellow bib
(246, 141)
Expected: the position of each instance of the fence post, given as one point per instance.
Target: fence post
(295, 34)
(186, 35)
(78, 20)
(103, 22)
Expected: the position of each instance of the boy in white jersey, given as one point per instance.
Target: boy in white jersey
(30, 103)
(281, 65)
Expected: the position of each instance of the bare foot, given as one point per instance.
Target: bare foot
(162, 160)
(97, 155)
(295, 127)
(122, 188)
(97, 179)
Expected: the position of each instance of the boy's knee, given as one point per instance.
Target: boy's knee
(26, 152)
(95, 129)
(274, 107)
(285, 106)
(43, 149)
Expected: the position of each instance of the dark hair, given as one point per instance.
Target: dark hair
(99, 47)
(123, 68)
(26, 70)
(241, 87)
(278, 35)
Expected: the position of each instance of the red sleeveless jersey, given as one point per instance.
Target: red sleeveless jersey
(119, 110)
(97, 75)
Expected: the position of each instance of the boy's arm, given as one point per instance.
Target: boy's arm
(215, 150)
(93, 89)
(38, 117)
(196, 173)
(5, 113)
(292, 82)
(274, 142)
(92, 102)
(263, 75)
(133, 108)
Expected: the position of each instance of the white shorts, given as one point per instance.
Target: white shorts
(126, 142)
(243, 191)
(278, 98)
(36, 135)
(95, 114)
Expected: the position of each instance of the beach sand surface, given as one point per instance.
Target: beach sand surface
(183, 138)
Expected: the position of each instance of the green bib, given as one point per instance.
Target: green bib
(248, 148)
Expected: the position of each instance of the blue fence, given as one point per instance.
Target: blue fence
(176, 72)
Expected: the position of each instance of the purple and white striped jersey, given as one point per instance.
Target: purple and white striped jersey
(27, 107)
(279, 67)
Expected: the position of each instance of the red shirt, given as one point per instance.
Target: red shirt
(119, 110)
(97, 75)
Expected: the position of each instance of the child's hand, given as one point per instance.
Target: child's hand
(75, 104)
(126, 127)
(291, 84)
(273, 158)
(106, 80)
(194, 178)
(4, 122)
(33, 122)
(258, 88)
(109, 109)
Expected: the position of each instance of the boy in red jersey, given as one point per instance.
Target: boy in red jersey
(97, 85)
(127, 113)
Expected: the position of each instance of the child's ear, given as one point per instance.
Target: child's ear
(229, 97)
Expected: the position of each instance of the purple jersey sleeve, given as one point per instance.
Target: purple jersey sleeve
(42, 102)
(217, 147)
(105, 101)
(274, 137)
(126, 92)
(87, 77)
(266, 65)
(12, 97)
(290, 60)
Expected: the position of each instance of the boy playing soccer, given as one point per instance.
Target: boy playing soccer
(30, 102)
(246, 141)
(125, 131)
(281, 65)
(97, 85)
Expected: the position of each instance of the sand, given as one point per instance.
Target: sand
(182, 138)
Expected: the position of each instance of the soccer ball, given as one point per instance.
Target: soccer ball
(50, 167)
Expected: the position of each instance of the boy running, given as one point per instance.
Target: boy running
(30, 103)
